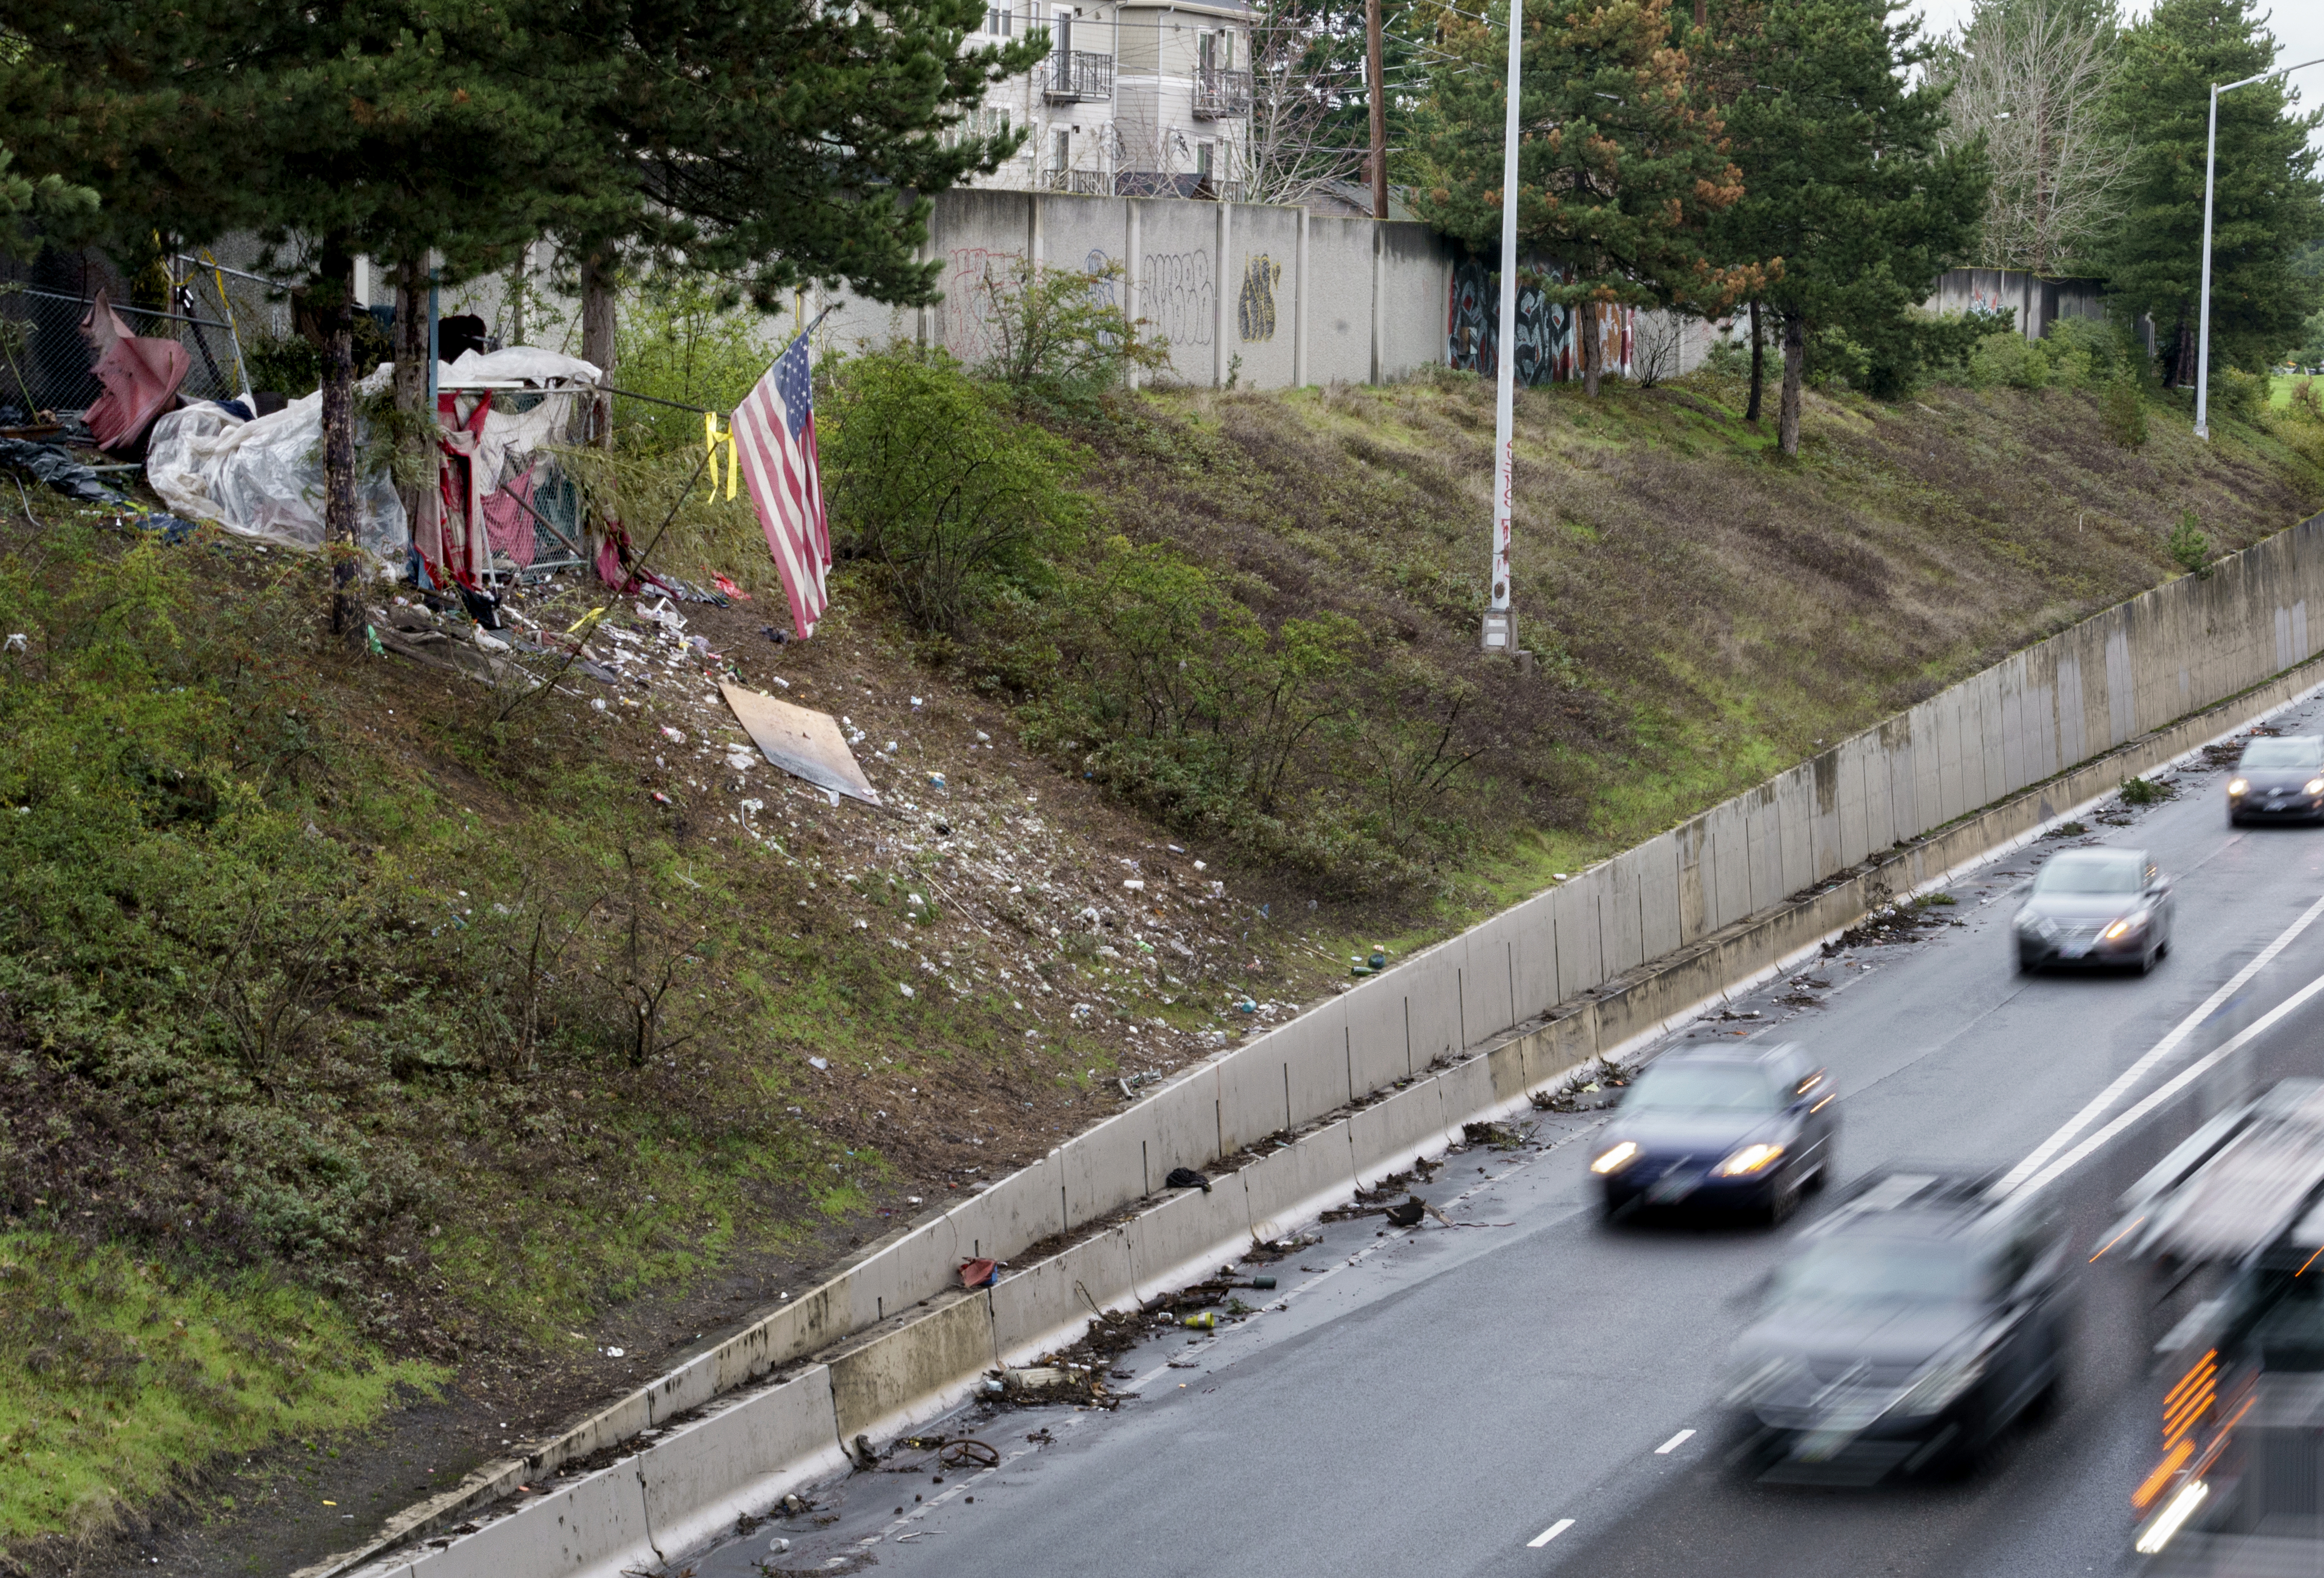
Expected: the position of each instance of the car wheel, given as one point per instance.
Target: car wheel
(2234, 820)
(1821, 1176)
(2147, 961)
(2025, 963)
(1783, 1199)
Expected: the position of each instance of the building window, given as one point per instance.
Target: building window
(997, 20)
(1065, 154)
(1203, 159)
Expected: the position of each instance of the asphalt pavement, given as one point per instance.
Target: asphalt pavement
(1539, 1393)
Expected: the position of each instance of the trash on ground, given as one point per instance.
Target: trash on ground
(1407, 1213)
(58, 468)
(978, 1273)
(1187, 1178)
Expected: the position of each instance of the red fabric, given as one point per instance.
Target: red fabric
(507, 523)
(141, 377)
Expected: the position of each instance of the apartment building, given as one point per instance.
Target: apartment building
(1148, 99)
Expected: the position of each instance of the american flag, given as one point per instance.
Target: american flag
(774, 440)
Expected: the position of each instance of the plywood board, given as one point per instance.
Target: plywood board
(804, 744)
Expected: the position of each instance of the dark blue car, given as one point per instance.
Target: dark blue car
(1734, 1128)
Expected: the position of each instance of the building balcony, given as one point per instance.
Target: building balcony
(1221, 94)
(1078, 76)
(1086, 183)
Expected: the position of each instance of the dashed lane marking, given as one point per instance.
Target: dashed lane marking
(1673, 1443)
(1549, 1534)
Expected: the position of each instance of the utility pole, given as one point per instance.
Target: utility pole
(1378, 95)
(2203, 320)
(1500, 630)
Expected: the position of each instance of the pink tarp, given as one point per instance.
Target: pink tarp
(141, 377)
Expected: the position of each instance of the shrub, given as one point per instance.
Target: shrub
(1835, 361)
(2307, 401)
(676, 341)
(2122, 408)
(2009, 359)
(1728, 358)
(1059, 337)
(933, 478)
(2190, 550)
(2241, 396)
(2143, 791)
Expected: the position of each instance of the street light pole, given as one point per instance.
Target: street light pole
(2203, 316)
(1500, 630)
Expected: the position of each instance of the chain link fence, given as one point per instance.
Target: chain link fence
(45, 359)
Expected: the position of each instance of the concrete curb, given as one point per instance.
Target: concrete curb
(1362, 1085)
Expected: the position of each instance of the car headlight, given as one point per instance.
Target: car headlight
(1940, 1384)
(1752, 1158)
(2314, 786)
(2237, 785)
(2125, 926)
(1615, 1158)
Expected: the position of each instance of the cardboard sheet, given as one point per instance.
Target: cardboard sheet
(804, 744)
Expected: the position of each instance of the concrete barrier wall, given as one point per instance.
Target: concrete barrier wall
(1601, 963)
(1258, 296)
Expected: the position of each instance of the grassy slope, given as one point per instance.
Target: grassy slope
(1704, 612)
(265, 1017)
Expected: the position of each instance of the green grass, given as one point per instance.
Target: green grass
(125, 1371)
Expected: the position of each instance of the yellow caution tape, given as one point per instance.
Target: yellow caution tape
(587, 621)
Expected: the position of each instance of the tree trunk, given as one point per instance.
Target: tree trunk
(1758, 367)
(336, 292)
(597, 337)
(415, 481)
(1795, 355)
(1590, 349)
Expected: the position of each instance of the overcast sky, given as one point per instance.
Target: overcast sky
(2298, 26)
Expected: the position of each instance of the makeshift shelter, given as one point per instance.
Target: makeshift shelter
(498, 507)
(264, 478)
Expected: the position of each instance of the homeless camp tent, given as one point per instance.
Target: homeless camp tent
(499, 507)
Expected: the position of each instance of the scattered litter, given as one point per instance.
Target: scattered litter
(907, 991)
(1203, 1319)
(817, 1063)
(804, 744)
(675, 736)
(978, 1273)
(1135, 884)
(1187, 1178)
(935, 779)
(616, 1353)
(1408, 1214)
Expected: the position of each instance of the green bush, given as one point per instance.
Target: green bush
(1727, 358)
(1059, 338)
(676, 341)
(2239, 394)
(2009, 359)
(2190, 550)
(2122, 408)
(933, 478)
(1835, 361)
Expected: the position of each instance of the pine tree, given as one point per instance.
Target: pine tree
(1620, 166)
(2267, 202)
(1844, 183)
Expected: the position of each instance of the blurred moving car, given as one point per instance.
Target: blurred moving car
(1737, 1128)
(2096, 907)
(2278, 778)
(2233, 1221)
(1915, 1324)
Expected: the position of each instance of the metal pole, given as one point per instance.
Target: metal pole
(2203, 317)
(2203, 333)
(431, 342)
(1500, 628)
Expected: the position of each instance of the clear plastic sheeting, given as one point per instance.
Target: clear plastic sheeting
(264, 478)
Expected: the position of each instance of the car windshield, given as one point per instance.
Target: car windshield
(1864, 1269)
(1703, 1087)
(2109, 874)
(2296, 753)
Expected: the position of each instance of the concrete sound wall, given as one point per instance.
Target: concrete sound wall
(1596, 965)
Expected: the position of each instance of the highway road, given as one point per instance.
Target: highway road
(1439, 1400)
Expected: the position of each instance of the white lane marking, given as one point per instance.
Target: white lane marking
(2016, 1178)
(2186, 1077)
(1673, 1443)
(1549, 1534)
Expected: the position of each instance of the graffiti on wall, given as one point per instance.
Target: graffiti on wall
(970, 276)
(1181, 298)
(1548, 347)
(1254, 303)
